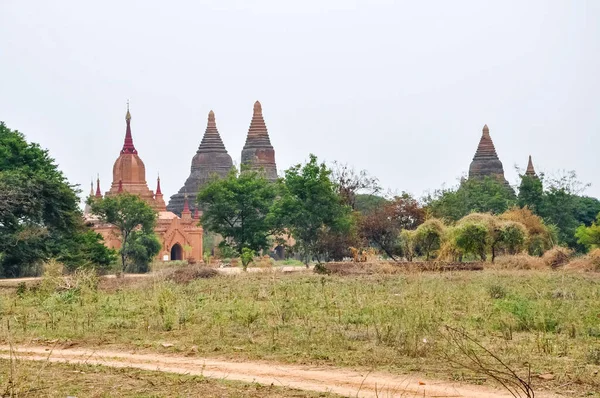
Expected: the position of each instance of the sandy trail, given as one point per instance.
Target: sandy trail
(328, 379)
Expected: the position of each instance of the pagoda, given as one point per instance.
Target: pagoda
(180, 237)
(530, 172)
(258, 153)
(486, 162)
(211, 159)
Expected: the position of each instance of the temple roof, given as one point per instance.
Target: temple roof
(258, 136)
(211, 142)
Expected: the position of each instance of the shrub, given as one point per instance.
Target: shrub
(557, 256)
(593, 356)
(185, 275)
(429, 236)
(497, 291)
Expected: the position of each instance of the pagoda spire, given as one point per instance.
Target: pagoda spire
(530, 170)
(258, 135)
(211, 141)
(158, 191)
(98, 191)
(128, 146)
(196, 214)
(92, 187)
(486, 146)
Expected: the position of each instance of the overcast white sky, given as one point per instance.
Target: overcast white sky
(400, 88)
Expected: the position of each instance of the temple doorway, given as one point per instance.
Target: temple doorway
(176, 252)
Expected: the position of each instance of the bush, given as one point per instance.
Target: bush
(185, 275)
(519, 261)
(557, 256)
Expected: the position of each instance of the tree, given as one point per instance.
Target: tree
(487, 195)
(589, 236)
(311, 208)
(429, 236)
(140, 251)
(382, 226)
(540, 237)
(513, 236)
(39, 210)
(531, 193)
(472, 238)
(239, 208)
(365, 203)
(564, 207)
(132, 217)
(349, 183)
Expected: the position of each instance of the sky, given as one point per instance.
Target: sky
(401, 89)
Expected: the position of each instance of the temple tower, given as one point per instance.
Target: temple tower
(530, 172)
(211, 159)
(129, 171)
(486, 162)
(258, 153)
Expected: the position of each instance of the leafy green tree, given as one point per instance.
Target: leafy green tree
(486, 195)
(39, 210)
(239, 208)
(429, 236)
(513, 236)
(531, 193)
(589, 236)
(310, 206)
(140, 251)
(86, 249)
(565, 208)
(366, 203)
(472, 238)
(133, 218)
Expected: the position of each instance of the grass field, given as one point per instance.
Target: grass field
(42, 379)
(546, 321)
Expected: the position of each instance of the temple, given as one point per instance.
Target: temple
(530, 172)
(180, 237)
(258, 153)
(211, 159)
(486, 162)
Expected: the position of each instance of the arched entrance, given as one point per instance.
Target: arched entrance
(176, 252)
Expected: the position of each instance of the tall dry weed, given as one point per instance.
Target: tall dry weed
(557, 256)
(519, 262)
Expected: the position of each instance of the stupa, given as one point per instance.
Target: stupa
(258, 153)
(486, 162)
(530, 172)
(211, 159)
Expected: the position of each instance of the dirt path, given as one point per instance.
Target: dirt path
(340, 381)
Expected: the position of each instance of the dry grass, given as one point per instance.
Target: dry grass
(587, 263)
(54, 380)
(187, 274)
(519, 262)
(392, 268)
(557, 256)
